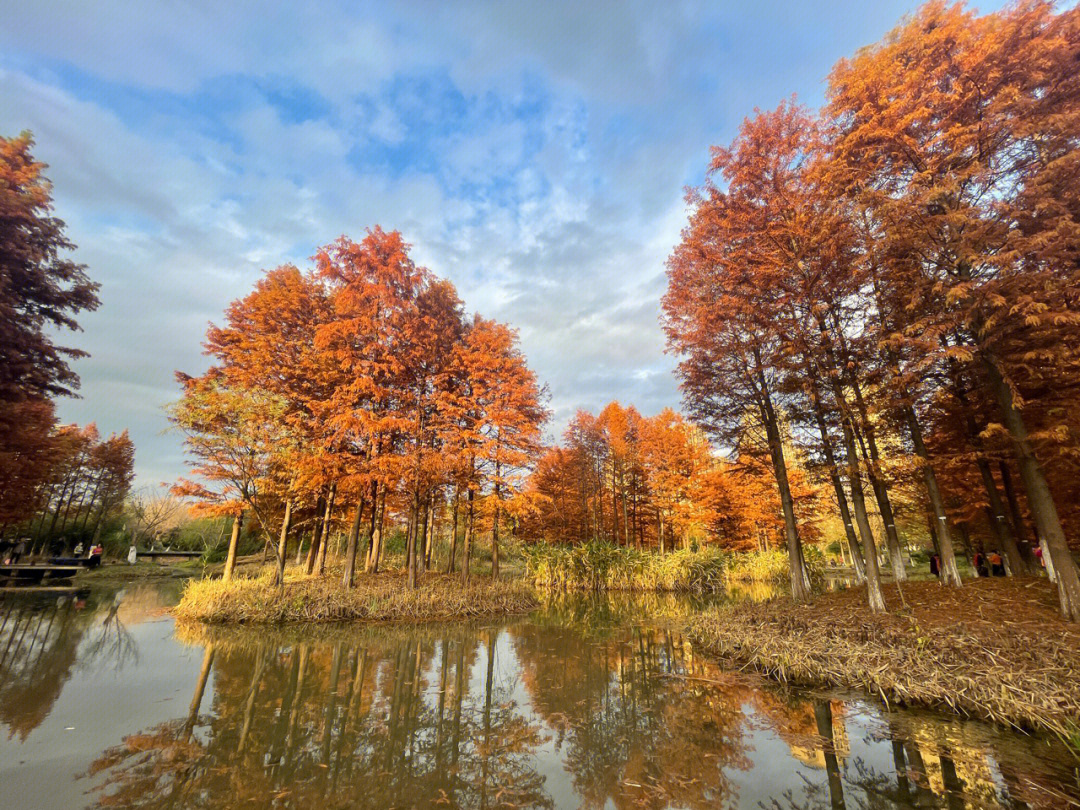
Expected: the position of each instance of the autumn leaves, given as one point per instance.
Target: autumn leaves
(901, 269)
(361, 384)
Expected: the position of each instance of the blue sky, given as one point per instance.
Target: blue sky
(535, 154)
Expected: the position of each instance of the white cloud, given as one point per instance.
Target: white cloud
(552, 206)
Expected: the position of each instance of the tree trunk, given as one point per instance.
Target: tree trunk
(950, 573)
(316, 535)
(868, 439)
(429, 542)
(422, 534)
(354, 541)
(614, 505)
(412, 540)
(838, 489)
(324, 541)
(995, 513)
(858, 502)
(453, 533)
(378, 535)
(799, 591)
(283, 543)
(1019, 528)
(200, 690)
(466, 551)
(300, 549)
(234, 541)
(495, 524)
(1040, 499)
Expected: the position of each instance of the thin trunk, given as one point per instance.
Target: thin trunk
(429, 529)
(378, 535)
(495, 525)
(614, 504)
(299, 549)
(316, 535)
(995, 513)
(370, 534)
(412, 539)
(1019, 527)
(90, 506)
(824, 717)
(283, 543)
(200, 690)
(838, 490)
(950, 573)
(858, 502)
(799, 590)
(874, 595)
(1050, 572)
(453, 532)
(868, 435)
(354, 541)
(1040, 499)
(234, 540)
(253, 693)
(466, 552)
(324, 541)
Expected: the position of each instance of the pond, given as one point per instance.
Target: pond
(105, 703)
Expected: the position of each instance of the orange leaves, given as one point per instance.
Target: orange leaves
(362, 373)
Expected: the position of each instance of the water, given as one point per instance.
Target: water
(104, 703)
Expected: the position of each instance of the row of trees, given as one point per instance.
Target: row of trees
(653, 482)
(897, 276)
(51, 478)
(90, 479)
(360, 385)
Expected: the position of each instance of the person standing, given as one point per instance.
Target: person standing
(997, 564)
(19, 550)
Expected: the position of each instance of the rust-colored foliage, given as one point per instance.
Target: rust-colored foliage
(359, 384)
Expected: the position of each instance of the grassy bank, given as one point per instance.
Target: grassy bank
(604, 566)
(122, 572)
(381, 597)
(995, 649)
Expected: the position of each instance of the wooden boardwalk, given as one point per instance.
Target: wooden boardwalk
(36, 573)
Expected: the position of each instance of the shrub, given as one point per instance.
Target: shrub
(605, 566)
(772, 566)
(601, 565)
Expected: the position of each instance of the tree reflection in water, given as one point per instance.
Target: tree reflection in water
(575, 706)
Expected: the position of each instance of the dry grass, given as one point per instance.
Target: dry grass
(996, 649)
(375, 598)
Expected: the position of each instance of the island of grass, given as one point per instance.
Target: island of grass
(382, 597)
(995, 649)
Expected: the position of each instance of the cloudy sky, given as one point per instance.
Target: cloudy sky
(534, 153)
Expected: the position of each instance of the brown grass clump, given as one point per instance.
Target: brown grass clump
(375, 598)
(995, 649)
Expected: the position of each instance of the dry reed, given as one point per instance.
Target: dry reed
(995, 649)
(375, 598)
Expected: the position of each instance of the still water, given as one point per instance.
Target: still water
(105, 703)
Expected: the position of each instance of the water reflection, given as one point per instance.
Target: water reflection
(576, 706)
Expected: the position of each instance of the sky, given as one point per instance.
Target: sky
(536, 154)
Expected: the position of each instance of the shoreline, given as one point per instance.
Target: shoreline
(996, 650)
(375, 598)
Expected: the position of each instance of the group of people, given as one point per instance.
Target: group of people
(13, 551)
(985, 565)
